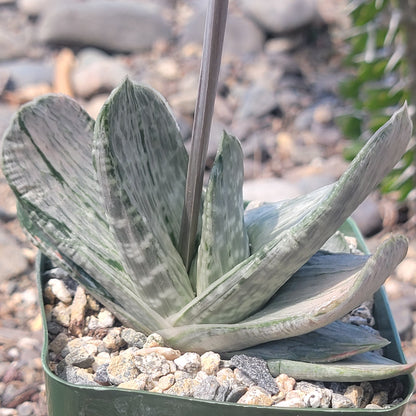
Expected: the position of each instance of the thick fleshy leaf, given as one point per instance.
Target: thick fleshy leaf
(264, 272)
(224, 241)
(267, 221)
(47, 161)
(304, 304)
(132, 312)
(363, 367)
(333, 342)
(141, 167)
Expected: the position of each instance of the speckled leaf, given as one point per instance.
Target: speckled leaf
(224, 241)
(47, 161)
(141, 167)
(363, 367)
(264, 272)
(333, 342)
(304, 304)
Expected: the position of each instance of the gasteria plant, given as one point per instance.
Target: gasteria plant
(104, 200)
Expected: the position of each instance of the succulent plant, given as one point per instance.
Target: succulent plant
(104, 200)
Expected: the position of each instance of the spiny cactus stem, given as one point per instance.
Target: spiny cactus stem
(210, 66)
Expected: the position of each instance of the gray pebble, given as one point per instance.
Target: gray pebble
(28, 72)
(368, 392)
(339, 401)
(113, 26)
(281, 16)
(207, 388)
(242, 379)
(133, 338)
(257, 370)
(154, 365)
(59, 343)
(96, 72)
(76, 375)
(80, 358)
(101, 375)
(222, 393)
(54, 328)
(189, 362)
(235, 394)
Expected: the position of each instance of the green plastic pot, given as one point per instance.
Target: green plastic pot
(66, 399)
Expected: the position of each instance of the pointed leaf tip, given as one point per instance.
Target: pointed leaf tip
(224, 241)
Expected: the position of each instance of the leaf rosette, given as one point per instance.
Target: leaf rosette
(104, 200)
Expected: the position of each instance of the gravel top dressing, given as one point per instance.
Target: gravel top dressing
(88, 346)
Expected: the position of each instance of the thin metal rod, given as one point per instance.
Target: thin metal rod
(208, 79)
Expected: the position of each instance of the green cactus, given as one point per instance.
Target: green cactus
(104, 200)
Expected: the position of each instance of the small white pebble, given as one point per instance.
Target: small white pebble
(59, 289)
(189, 362)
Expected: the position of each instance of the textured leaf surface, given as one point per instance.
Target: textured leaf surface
(363, 367)
(224, 241)
(47, 161)
(141, 165)
(269, 220)
(304, 304)
(333, 342)
(263, 273)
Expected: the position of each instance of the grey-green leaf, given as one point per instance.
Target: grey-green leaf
(304, 304)
(264, 272)
(269, 220)
(224, 241)
(333, 342)
(363, 367)
(47, 161)
(141, 167)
